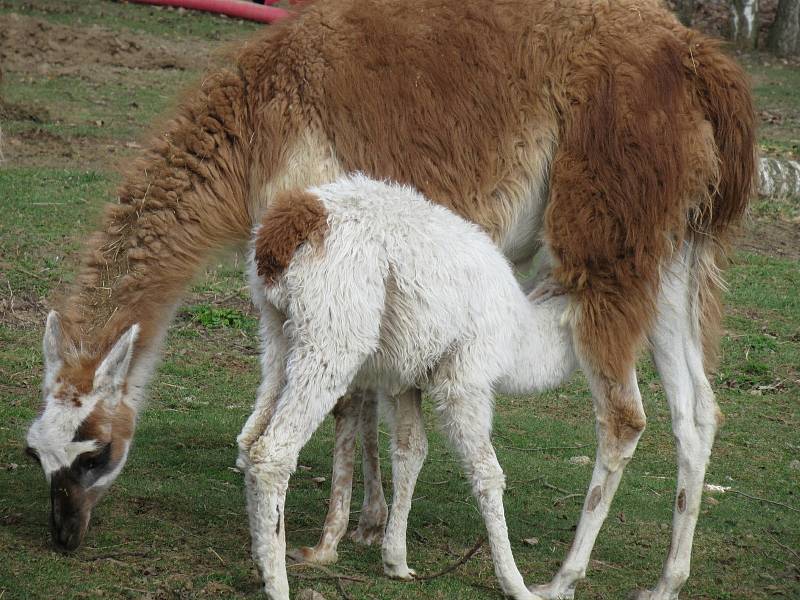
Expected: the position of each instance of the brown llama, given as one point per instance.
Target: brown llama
(604, 133)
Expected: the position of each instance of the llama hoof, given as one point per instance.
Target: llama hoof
(367, 534)
(399, 572)
(651, 595)
(548, 592)
(313, 555)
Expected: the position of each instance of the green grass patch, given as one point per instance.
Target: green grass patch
(45, 215)
(116, 109)
(214, 318)
(167, 22)
(775, 87)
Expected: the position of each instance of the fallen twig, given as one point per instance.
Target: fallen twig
(561, 500)
(214, 552)
(327, 574)
(556, 488)
(543, 448)
(114, 556)
(31, 273)
(775, 502)
(785, 547)
(472, 551)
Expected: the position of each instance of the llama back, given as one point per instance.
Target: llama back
(403, 280)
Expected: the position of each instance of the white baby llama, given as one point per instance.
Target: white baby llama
(365, 285)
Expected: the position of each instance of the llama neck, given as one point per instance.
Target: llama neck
(184, 199)
(543, 351)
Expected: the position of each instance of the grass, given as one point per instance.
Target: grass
(775, 86)
(174, 524)
(113, 109)
(165, 22)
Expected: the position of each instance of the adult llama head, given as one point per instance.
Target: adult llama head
(82, 435)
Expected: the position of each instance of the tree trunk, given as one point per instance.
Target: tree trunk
(784, 35)
(779, 177)
(744, 23)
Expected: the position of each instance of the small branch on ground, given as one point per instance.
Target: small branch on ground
(214, 552)
(550, 486)
(30, 274)
(785, 547)
(472, 552)
(116, 556)
(563, 499)
(543, 448)
(767, 500)
(328, 575)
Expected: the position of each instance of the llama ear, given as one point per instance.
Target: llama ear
(51, 347)
(112, 372)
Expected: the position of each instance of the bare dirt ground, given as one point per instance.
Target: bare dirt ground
(771, 236)
(54, 49)
(35, 50)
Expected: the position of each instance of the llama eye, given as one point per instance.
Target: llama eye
(33, 454)
(95, 459)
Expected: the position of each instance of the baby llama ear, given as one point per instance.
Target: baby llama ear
(51, 347)
(113, 371)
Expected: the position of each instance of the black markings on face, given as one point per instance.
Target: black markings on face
(95, 460)
(88, 467)
(33, 454)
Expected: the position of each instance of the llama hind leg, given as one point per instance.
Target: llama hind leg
(346, 413)
(409, 449)
(374, 512)
(466, 419)
(620, 421)
(678, 355)
(275, 347)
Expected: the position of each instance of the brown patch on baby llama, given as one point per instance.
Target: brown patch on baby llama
(294, 218)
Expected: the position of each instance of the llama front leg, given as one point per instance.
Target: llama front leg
(467, 421)
(313, 386)
(266, 498)
(619, 425)
(372, 520)
(409, 449)
(678, 356)
(346, 413)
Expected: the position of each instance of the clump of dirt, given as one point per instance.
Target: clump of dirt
(26, 310)
(16, 112)
(27, 43)
(38, 147)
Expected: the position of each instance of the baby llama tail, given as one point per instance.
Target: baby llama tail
(292, 219)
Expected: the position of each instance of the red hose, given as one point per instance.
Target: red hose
(232, 8)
